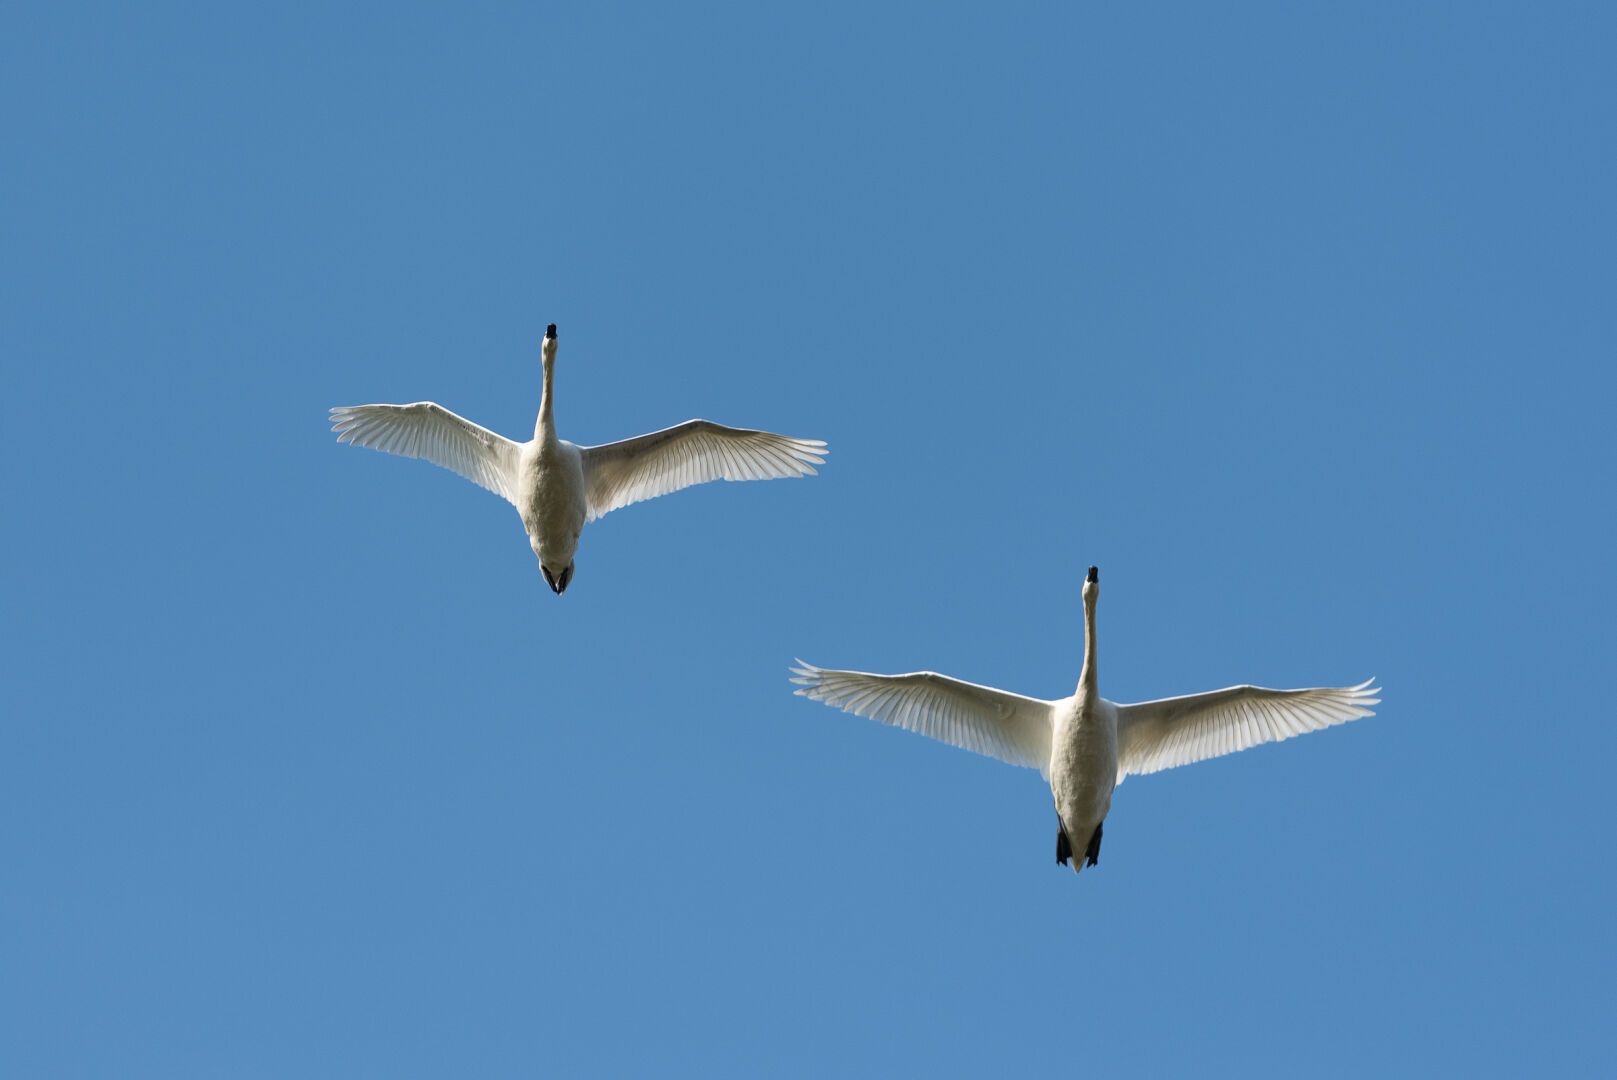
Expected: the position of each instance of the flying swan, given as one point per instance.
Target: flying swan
(1083, 744)
(556, 486)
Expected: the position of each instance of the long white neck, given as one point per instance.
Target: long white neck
(544, 428)
(1087, 680)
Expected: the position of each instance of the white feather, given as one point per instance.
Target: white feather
(633, 470)
(427, 430)
(1010, 727)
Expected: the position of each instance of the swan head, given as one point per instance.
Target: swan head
(557, 581)
(1092, 585)
(548, 348)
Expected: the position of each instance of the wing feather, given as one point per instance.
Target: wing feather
(997, 724)
(429, 431)
(620, 473)
(1156, 735)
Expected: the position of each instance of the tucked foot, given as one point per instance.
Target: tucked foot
(557, 583)
(1092, 852)
(1063, 845)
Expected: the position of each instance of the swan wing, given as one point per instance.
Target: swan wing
(427, 430)
(1156, 735)
(1010, 727)
(620, 473)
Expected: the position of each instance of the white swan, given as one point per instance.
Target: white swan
(557, 486)
(1083, 744)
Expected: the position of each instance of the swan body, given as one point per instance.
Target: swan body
(1083, 744)
(558, 487)
(550, 497)
(1083, 768)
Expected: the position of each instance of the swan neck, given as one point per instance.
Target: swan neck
(547, 397)
(1087, 677)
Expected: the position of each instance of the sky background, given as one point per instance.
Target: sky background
(1299, 324)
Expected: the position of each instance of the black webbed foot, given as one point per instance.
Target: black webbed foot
(1092, 852)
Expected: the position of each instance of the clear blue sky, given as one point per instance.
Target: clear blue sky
(1299, 324)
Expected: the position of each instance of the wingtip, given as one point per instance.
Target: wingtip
(1366, 695)
(807, 452)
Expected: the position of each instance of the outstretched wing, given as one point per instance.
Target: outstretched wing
(430, 431)
(1010, 727)
(1156, 735)
(620, 473)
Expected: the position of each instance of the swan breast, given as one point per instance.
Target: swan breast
(551, 497)
(1083, 760)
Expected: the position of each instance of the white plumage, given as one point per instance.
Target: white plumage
(427, 430)
(995, 723)
(556, 486)
(1169, 732)
(620, 473)
(1083, 744)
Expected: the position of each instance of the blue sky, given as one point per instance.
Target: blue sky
(1297, 323)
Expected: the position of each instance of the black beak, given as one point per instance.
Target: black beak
(1094, 575)
(550, 331)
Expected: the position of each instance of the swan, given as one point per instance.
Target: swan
(1085, 745)
(556, 486)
